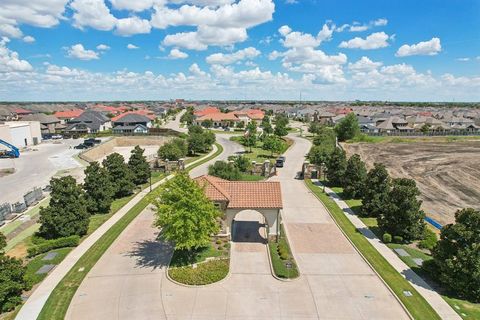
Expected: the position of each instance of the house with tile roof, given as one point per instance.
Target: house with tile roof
(232, 197)
(131, 123)
(90, 121)
(68, 115)
(48, 124)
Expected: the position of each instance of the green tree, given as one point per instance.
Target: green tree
(347, 128)
(425, 128)
(241, 162)
(402, 215)
(314, 127)
(66, 214)
(185, 215)
(280, 130)
(224, 170)
(12, 279)
(273, 144)
(139, 166)
(376, 191)
(120, 175)
(207, 123)
(282, 120)
(241, 124)
(354, 178)
(325, 136)
(196, 143)
(173, 150)
(195, 129)
(456, 257)
(98, 188)
(188, 117)
(267, 128)
(265, 121)
(336, 166)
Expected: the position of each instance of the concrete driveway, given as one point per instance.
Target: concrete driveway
(129, 280)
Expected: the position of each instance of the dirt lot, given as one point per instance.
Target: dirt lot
(447, 173)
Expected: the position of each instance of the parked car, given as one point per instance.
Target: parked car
(57, 136)
(81, 146)
(279, 163)
(283, 158)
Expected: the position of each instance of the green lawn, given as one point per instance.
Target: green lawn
(251, 177)
(59, 300)
(258, 154)
(279, 262)
(22, 236)
(37, 262)
(416, 304)
(392, 139)
(183, 258)
(204, 273)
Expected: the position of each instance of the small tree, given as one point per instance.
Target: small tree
(457, 255)
(314, 127)
(402, 215)
(207, 123)
(98, 188)
(354, 178)
(241, 124)
(224, 170)
(66, 214)
(273, 144)
(376, 191)
(120, 175)
(336, 166)
(347, 128)
(241, 162)
(425, 128)
(12, 278)
(187, 217)
(173, 150)
(280, 130)
(139, 166)
(325, 136)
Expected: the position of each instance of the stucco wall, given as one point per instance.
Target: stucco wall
(270, 215)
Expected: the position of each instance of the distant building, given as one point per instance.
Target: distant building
(48, 124)
(90, 121)
(68, 115)
(21, 134)
(132, 123)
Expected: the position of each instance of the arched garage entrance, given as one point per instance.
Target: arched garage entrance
(232, 197)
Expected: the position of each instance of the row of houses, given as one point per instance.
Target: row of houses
(228, 118)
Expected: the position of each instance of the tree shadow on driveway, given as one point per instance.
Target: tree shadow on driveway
(154, 254)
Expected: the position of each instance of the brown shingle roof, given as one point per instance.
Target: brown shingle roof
(243, 194)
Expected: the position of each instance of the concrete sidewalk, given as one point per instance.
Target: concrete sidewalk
(433, 298)
(33, 306)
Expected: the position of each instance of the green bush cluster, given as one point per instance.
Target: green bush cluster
(47, 245)
(282, 250)
(429, 241)
(387, 237)
(204, 273)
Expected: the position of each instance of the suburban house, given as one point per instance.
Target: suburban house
(6, 115)
(323, 117)
(90, 121)
(131, 123)
(232, 197)
(367, 124)
(48, 124)
(68, 115)
(220, 119)
(391, 124)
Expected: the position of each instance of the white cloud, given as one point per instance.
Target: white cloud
(28, 39)
(296, 39)
(229, 58)
(424, 48)
(62, 71)
(132, 46)
(103, 47)
(358, 28)
(77, 51)
(374, 41)
(10, 60)
(380, 22)
(10, 30)
(135, 5)
(463, 59)
(284, 30)
(177, 54)
(206, 36)
(132, 25)
(92, 13)
(364, 64)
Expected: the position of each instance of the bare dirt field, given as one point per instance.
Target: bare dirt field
(447, 173)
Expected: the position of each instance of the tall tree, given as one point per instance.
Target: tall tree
(402, 215)
(376, 191)
(347, 128)
(173, 150)
(139, 166)
(185, 215)
(354, 178)
(120, 175)
(12, 279)
(98, 188)
(457, 255)
(273, 144)
(224, 170)
(336, 166)
(280, 130)
(66, 214)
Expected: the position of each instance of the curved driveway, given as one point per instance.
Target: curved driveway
(129, 281)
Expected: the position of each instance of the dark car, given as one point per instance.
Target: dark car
(80, 146)
(279, 163)
(283, 158)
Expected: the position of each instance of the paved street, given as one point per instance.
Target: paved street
(129, 281)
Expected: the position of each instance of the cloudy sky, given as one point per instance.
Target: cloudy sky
(407, 50)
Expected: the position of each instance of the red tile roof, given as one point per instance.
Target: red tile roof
(21, 111)
(205, 111)
(143, 112)
(243, 194)
(218, 117)
(68, 114)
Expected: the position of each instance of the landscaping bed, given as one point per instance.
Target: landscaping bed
(260, 155)
(283, 263)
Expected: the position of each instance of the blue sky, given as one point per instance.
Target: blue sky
(243, 49)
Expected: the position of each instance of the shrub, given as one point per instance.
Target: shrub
(387, 237)
(398, 239)
(430, 240)
(47, 245)
(282, 251)
(218, 241)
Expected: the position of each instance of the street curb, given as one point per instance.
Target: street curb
(273, 271)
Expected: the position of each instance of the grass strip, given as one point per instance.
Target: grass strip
(415, 304)
(281, 255)
(57, 304)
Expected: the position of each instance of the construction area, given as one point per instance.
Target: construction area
(447, 173)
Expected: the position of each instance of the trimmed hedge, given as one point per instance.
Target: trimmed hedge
(47, 245)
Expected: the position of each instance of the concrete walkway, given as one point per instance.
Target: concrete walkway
(433, 298)
(33, 306)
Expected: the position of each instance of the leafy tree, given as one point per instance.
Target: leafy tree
(376, 191)
(273, 144)
(66, 214)
(249, 140)
(336, 166)
(282, 120)
(319, 155)
(195, 129)
(425, 128)
(12, 279)
(139, 166)
(187, 217)
(456, 258)
(314, 127)
(188, 117)
(267, 128)
(325, 136)
(120, 175)
(98, 188)
(241, 124)
(265, 121)
(241, 162)
(173, 150)
(224, 170)
(280, 130)
(348, 127)
(354, 178)
(196, 143)
(207, 123)
(402, 215)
